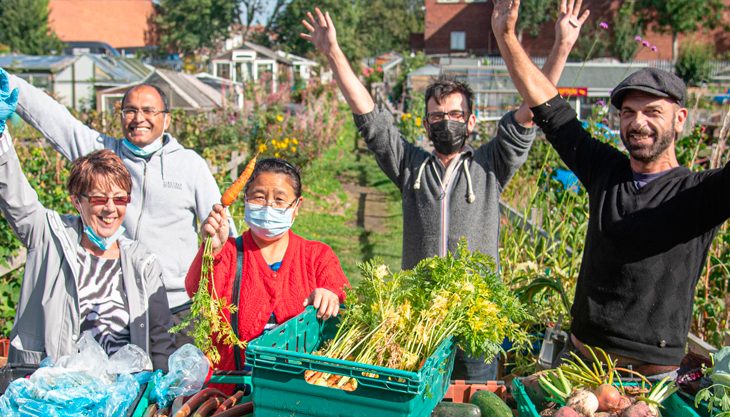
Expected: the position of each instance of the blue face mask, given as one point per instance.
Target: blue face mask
(147, 150)
(267, 222)
(103, 242)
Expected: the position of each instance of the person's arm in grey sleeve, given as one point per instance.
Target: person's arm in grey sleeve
(18, 200)
(160, 318)
(207, 194)
(68, 135)
(384, 139)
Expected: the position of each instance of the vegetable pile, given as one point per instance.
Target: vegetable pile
(718, 394)
(208, 308)
(581, 390)
(397, 320)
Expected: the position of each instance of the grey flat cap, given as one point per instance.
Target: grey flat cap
(653, 81)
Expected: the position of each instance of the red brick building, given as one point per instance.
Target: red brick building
(464, 27)
(120, 23)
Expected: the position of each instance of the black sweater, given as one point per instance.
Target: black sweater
(645, 248)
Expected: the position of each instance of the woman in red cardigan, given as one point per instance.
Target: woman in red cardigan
(282, 272)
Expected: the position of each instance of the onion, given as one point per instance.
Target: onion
(608, 397)
(583, 401)
(566, 412)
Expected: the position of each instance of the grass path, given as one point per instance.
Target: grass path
(352, 206)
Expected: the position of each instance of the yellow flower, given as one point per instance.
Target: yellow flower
(293, 148)
(262, 147)
(408, 115)
(279, 130)
(403, 117)
(286, 141)
(294, 141)
(279, 118)
(273, 141)
(276, 154)
(418, 120)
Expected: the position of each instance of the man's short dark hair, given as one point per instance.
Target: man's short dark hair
(163, 96)
(446, 85)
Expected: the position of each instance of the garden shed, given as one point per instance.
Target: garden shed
(184, 91)
(250, 62)
(73, 80)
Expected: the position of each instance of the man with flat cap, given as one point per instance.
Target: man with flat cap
(651, 220)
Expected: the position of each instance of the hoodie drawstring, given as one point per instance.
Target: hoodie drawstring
(417, 185)
(470, 196)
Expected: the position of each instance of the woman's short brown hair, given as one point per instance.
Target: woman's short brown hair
(102, 168)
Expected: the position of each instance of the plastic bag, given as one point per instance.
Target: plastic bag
(129, 359)
(189, 371)
(91, 359)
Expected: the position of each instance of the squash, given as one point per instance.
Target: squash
(490, 404)
(448, 409)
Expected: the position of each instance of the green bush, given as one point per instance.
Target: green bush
(694, 62)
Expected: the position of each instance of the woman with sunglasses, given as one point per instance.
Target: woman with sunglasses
(80, 274)
(281, 272)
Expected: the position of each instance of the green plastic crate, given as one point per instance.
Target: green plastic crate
(673, 406)
(280, 357)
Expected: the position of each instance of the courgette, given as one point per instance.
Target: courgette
(447, 409)
(490, 404)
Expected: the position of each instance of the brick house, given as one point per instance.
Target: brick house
(463, 27)
(120, 23)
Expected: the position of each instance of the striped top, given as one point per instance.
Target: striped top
(103, 301)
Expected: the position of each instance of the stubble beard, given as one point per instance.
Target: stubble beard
(651, 152)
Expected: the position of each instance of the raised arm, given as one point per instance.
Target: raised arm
(324, 37)
(534, 87)
(68, 135)
(567, 29)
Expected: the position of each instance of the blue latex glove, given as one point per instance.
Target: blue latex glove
(8, 99)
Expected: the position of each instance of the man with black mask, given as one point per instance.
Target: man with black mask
(454, 191)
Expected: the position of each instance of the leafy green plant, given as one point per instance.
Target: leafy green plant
(694, 63)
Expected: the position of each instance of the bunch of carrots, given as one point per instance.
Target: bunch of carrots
(207, 309)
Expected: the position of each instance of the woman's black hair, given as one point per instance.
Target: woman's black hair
(277, 166)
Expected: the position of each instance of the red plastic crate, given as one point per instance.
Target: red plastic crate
(460, 392)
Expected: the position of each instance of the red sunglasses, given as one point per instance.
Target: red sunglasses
(100, 200)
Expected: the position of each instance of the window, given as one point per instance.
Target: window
(224, 70)
(458, 41)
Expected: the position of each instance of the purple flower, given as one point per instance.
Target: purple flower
(653, 48)
(646, 43)
(603, 25)
(637, 39)
(600, 103)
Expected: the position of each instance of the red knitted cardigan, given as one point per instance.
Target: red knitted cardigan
(307, 265)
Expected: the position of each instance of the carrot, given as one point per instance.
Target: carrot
(232, 192)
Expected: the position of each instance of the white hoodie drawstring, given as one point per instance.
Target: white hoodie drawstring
(471, 196)
(417, 185)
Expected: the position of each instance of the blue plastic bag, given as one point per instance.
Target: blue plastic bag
(189, 372)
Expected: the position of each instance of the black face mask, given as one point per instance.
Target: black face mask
(448, 136)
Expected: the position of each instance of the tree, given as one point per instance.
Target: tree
(252, 8)
(625, 31)
(682, 16)
(694, 64)
(532, 15)
(364, 28)
(188, 27)
(25, 28)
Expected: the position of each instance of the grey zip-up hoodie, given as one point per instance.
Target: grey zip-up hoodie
(439, 211)
(171, 190)
(47, 315)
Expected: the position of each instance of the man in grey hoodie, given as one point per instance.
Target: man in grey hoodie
(172, 186)
(454, 191)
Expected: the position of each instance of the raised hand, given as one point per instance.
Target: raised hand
(504, 16)
(216, 227)
(322, 32)
(567, 27)
(8, 99)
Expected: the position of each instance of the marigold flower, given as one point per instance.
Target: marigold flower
(294, 141)
(603, 25)
(262, 147)
(293, 148)
(276, 154)
(279, 118)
